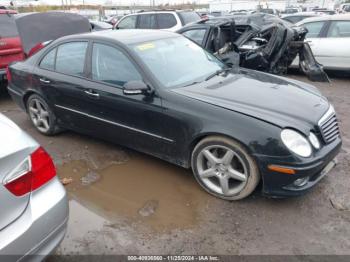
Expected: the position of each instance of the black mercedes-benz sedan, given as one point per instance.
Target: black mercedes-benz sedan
(159, 93)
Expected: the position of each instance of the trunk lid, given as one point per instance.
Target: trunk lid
(15, 147)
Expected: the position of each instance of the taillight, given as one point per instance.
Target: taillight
(43, 168)
(32, 173)
(8, 74)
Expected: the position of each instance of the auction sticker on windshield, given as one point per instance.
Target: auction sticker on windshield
(146, 46)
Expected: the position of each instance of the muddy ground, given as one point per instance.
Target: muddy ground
(124, 202)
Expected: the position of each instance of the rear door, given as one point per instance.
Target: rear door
(61, 78)
(15, 147)
(10, 44)
(333, 50)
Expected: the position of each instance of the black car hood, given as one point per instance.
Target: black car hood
(277, 100)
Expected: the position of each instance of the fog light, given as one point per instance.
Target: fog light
(301, 181)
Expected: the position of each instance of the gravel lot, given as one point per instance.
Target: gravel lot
(124, 202)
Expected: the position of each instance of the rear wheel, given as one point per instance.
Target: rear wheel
(224, 168)
(41, 115)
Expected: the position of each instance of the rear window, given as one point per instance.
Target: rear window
(70, 58)
(166, 21)
(189, 17)
(8, 26)
(339, 29)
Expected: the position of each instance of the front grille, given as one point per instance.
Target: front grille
(329, 126)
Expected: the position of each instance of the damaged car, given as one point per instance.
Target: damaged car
(258, 41)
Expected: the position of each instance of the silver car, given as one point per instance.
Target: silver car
(33, 202)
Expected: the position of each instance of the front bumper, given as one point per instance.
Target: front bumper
(277, 184)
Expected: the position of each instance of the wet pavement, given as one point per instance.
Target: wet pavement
(124, 202)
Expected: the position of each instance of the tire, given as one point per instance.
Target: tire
(44, 113)
(212, 167)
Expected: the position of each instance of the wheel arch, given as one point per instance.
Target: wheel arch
(202, 136)
(28, 94)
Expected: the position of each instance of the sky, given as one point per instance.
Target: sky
(116, 2)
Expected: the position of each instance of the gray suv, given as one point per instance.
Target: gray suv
(33, 202)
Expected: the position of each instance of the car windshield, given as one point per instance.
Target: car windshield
(7, 26)
(177, 61)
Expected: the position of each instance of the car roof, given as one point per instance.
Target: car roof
(325, 18)
(127, 36)
(160, 11)
(300, 14)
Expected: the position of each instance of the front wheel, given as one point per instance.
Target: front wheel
(224, 168)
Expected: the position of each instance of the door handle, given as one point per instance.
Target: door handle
(44, 81)
(92, 93)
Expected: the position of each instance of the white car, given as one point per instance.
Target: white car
(297, 17)
(329, 39)
(167, 20)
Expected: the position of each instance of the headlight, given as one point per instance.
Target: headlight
(314, 140)
(296, 143)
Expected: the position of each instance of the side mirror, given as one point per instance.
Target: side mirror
(135, 88)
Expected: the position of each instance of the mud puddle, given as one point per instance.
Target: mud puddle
(142, 190)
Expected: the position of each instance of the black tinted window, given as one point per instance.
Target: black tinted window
(147, 21)
(71, 58)
(128, 22)
(8, 26)
(166, 21)
(48, 61)
(111, 66)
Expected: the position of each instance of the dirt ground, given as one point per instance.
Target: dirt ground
(124, 202)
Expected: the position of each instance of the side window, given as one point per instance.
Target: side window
(314, 29)
(128, 22)
(166, 21)
(147, 21)
(70, 58)
(339, 29)
(196, 35)
(111, 66)
(48, 62)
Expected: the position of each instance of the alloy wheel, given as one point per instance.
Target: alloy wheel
(222, 170)
(39, 115)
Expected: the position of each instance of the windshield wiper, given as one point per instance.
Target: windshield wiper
(193, 83)
(218, 72)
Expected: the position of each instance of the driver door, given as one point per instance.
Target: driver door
(135, 121)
